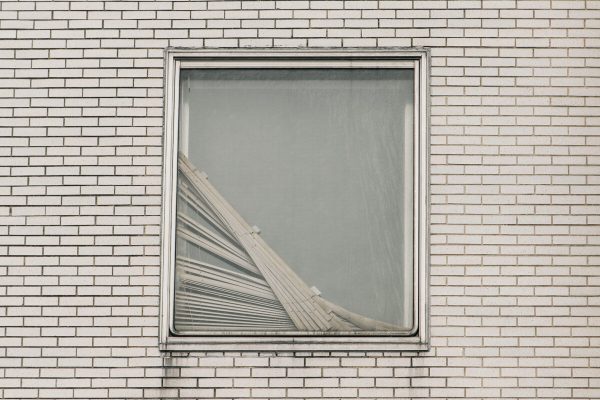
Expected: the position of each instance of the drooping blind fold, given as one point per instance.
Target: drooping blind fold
(321, 161)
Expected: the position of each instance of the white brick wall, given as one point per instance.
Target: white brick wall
(515, 198)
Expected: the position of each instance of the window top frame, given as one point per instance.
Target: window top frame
(186, 58)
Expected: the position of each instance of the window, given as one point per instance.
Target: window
(295, 201)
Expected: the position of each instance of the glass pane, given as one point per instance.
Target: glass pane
(321, 161)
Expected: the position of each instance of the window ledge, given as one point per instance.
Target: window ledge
(311, 343)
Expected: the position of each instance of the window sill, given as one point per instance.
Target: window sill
(298, 343)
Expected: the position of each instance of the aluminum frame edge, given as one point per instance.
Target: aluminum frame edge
(420, 341)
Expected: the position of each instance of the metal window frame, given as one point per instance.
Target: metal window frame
(186, 58)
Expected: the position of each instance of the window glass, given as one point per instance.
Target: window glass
(305, 220)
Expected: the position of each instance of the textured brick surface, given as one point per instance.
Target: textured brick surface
(515, 198)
